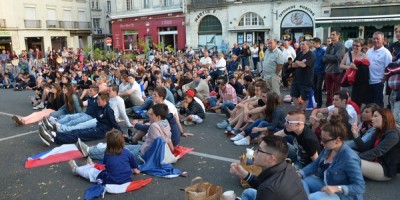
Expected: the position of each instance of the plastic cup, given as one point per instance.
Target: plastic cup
(229, 195)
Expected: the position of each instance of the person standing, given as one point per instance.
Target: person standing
(278, 179)
(333, 55)
(379, 58)
(319, 71)
(272, 66)
(254, 55)
(224, 46)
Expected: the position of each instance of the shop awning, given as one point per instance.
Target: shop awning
(383, 20)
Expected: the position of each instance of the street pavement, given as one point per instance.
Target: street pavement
(212, 155)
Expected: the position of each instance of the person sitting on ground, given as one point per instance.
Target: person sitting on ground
(274, 121)
(200, 85)
(228, 98)
(336, 173)
(159, 128)
(28, 81)
(191, 110)
(364, 130)
(340, 99)
(72, 103)
(239, 88)
(55, 101)
(380, 155)
(105, 122)
(133, 92)
(119, 163)
(278, 179)
(78, 120)
(305, 146)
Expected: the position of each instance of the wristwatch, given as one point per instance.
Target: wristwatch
(340, 188)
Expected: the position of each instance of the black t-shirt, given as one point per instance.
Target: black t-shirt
(306, 144)
(305, 76)
(32, 79)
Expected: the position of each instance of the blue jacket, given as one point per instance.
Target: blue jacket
(92, 107)
(319, 67)
(345, 170)
(106, 119)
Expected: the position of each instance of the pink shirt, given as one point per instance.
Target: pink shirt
(228, 90)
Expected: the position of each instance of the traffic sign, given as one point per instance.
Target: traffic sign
(108, 41)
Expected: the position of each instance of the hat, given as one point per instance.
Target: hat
(213, 94)
(190, 93)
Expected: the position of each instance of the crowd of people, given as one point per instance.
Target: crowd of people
(350, 137)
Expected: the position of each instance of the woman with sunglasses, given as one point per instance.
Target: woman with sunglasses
(336, 173)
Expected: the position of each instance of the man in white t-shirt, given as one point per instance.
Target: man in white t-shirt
(205, 61)
(288, 51)
(379, 58)
(340, 99)
(134, 91)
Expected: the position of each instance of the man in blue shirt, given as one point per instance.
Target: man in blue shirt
(319, 71)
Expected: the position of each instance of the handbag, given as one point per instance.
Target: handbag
(343, 76)
(256, 170)
(199, 190)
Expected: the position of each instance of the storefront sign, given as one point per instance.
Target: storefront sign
(294, 7)
(166, 22)
(297, 19)
(127, 25)
(202, 13)
(5, 33)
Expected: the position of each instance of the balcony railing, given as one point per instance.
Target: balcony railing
(32, 23)
(3, 23)
(74, 25)
(200, 4)
(52, 24)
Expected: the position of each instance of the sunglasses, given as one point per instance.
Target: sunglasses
(261, 151)
(293, 122)
(326, 141)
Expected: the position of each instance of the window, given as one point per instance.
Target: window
(251, 19)
(210, 25)
(92, 4)
(129, 5)
(146, 3)
(167, 3)
(108, 6)
(96, 23)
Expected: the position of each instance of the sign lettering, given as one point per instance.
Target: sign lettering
(202, 13)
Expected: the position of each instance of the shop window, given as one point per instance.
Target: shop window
(210, 24)
(251, 19)
(130, 40)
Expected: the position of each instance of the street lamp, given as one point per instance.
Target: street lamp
(109, 29)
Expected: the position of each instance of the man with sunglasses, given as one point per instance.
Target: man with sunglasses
(305, 146)
(278, 179)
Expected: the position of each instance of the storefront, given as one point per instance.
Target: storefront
(166, 29)
(251, 29)
(297, 21)
(361, 22)
(5, 41)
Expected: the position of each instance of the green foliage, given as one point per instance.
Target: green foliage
(111, 55)
(170, 49)
(98, 54)
(128, 56)
(159, 46)
(87, 51)
(145, 46)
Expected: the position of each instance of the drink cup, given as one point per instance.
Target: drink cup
(229, 195)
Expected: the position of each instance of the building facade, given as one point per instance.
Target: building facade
(360, 19)
(100, 11)
(151, 21)
(56, 24)
(208, 22)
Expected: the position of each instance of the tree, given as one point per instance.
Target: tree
(87, 51)
(98, 54)
(145, 46)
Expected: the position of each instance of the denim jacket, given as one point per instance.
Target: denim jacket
(345, 170)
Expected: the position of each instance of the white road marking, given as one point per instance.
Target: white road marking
(18, 135)
(8, 114)
(213, 157)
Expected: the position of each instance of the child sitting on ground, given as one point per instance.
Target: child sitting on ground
(118, 161)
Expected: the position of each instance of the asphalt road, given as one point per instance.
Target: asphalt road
(210, 159)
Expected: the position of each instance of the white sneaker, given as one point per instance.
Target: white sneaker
(242, 142)
(40, 106)
(237, 137)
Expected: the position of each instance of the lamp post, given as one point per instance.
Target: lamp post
(109, 30)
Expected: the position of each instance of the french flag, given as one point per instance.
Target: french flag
(62, 153)
(100, 190)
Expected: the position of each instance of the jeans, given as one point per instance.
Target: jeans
(84, 125)
(227, 106)
(259, 123)
(71, 137)
(313, 185)
(145, 106)
(74, 119)
(59, 112)
(292, 154)
(318, 81)
(255, 61)
(97, 152)
(213, 101)
(332, 86)
(365, 138)
(249, 194)
(377, 94)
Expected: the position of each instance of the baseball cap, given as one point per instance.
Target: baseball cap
(190, 93)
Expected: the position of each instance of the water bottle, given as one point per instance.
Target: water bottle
(229, 131)
(249, 156)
